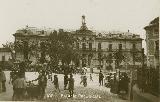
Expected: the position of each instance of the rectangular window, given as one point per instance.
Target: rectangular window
(90, 46)
(84, 46)
(99, 46)
(3, 58)
(134, 46)
(110, 47)
(157, 45)
(156, 31)
(120, 46)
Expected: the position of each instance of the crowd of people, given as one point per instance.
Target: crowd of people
(117, 82)
(23, 89)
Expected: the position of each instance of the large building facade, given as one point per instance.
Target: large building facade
(107, 51)
(152, 42)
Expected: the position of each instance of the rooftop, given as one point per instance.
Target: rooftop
(118, 35)
(46, 31)
(153, 23)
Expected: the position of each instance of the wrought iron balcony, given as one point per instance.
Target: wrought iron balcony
(87, 49)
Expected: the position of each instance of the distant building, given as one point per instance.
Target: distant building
(152, 42)
(96, 50)
(5, 56)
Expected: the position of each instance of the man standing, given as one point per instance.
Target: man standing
(85, 81)
(101, 78)
(56, 84)
(91, 79)
(42, 83)
(71, 85)
(65, 81)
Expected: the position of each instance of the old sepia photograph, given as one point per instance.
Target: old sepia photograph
(79, 50)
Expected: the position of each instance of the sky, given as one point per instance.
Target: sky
(101, 15)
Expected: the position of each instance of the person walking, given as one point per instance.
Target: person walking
(19, 86)
(65, 81)
(81, 78)
(101, 78)
(85, 81)
(56, 84)
(71, 85)
(91, 79)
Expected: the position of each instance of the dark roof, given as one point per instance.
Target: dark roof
(153, 23)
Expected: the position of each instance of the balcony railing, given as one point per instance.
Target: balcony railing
(109, 50)
(87, 49)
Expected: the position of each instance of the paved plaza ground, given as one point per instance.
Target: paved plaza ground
(92, 93)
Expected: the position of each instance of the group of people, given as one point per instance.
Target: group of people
(2, 81)
(20, 85)
(118, 85)
(70, 83)
(42, 82)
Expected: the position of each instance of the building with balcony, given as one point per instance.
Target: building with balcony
(107, 51)
(152, 43)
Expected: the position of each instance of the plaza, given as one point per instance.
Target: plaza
(92, 93)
